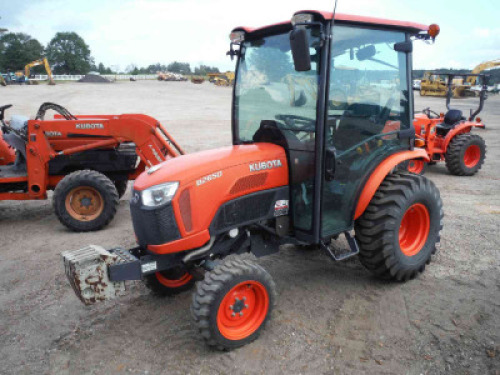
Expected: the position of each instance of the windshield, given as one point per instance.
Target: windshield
(269, 88)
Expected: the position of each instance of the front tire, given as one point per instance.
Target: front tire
(465, 154)
(233, 303)
(399, 230)
(416, 166)
(170, 282)
(121, 187)
(85, 201)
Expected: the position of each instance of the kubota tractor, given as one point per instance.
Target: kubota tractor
(86, 160)
(300, 172)
(448, 136)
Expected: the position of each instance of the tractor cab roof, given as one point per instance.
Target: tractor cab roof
(344, 18)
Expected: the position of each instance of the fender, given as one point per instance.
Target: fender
(379, 174)
(466, 127)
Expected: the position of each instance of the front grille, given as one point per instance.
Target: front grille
(244, 210)
(153, 226)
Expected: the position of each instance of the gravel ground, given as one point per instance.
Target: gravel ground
(330, 317)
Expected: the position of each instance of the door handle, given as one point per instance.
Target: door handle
(330, 161)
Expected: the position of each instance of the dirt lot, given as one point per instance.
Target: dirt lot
(330, 318)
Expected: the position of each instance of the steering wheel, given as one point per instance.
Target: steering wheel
(297, 123)
(428, 111)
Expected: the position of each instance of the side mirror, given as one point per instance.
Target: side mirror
(405, 47)
(366, 53)
(299, 44)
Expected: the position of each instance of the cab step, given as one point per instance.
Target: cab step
(339, 255)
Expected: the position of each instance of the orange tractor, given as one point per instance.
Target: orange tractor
(86, 160)
(300, 173)
(449, 138)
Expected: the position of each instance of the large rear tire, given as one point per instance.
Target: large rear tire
(232, 304)
(399, 230)
(465, 154)
(85, 201)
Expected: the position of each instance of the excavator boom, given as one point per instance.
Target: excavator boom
(45, 63)
(472, 80)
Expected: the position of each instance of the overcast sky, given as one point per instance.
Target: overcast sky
(143, 32)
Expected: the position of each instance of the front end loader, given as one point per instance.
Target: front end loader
(87, 160)
(302, 172)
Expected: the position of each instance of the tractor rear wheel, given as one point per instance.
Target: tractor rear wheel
(85, 201)
(465, 154)
(398, 232)
(170, 282)
(233, 303)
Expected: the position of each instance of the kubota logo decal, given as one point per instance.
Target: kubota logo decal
(89, 126)
(208, 178)
(265, 165)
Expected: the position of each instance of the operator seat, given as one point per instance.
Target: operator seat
(451, 119)
(19, 123)
(356, 125)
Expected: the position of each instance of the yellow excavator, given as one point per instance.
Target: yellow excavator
(472, 80)
(433, 85)
(43, 62)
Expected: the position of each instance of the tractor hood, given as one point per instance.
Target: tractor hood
(225, 164)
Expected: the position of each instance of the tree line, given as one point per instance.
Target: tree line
(68, 53)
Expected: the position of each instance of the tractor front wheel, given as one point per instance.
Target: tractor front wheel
(170, 282)
(121, 187)
(399, 230)
(232, 304)
(465, 154)
(416, 166)
(85, 201)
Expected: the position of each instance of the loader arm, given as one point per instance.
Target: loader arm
(49, 139)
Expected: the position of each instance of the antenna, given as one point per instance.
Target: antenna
(333, 17)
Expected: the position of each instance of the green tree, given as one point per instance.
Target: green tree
(69, 54)
(18, 49)
(205, 69)
(179, 67)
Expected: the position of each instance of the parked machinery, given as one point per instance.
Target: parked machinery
(448, 136)
(86, 159)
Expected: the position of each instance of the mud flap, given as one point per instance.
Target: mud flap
(87, 272)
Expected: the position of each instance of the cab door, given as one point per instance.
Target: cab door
(368, 105)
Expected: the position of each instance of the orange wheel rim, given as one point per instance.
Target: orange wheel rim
(472, 156)
(243, 310)
(84, 203)
(174, 283)
(415, 166)
(414, 229)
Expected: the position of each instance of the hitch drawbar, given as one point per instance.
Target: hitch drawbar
(97, 274)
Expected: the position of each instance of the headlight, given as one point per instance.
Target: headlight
(159, 194)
